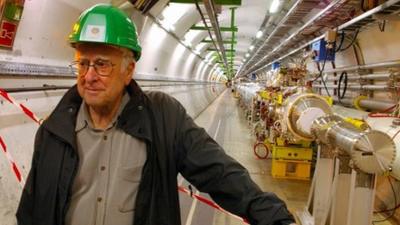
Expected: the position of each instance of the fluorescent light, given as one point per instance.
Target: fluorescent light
(275, 6)
(168, 26)
(187, 43)
(259, 34)
(251, 47)
(174, 12)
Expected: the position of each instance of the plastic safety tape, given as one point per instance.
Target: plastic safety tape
(210, 203)
(24, 109)
(14, 167)
(30, 114)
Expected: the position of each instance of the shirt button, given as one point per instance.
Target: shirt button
(99, 199)
(102, 168)
(105, 137)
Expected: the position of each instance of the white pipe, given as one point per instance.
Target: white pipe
(367, 103)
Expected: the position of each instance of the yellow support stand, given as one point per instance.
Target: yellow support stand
(291, 161)
(291, 169)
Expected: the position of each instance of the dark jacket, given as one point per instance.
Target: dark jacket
(175, 144)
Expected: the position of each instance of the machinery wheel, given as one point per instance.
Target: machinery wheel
(261, 150)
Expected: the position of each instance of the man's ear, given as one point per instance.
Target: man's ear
(129, 72)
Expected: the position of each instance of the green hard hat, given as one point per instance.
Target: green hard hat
(104, 23)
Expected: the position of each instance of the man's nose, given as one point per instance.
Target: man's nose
(91, 74)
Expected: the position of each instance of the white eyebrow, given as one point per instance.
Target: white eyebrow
(105, 58)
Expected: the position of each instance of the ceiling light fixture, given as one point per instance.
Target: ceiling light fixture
(251, 47)
(259, 34)
(275, 6)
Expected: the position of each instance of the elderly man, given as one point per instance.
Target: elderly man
(109, 154)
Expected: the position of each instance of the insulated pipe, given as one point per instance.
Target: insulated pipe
(394, 63)
(280, 24)
(309, 117)
(210, 8)
(381, 76)
(341, 27)
(371, 151)
(366, 103)
(329, 7)
(368, 87)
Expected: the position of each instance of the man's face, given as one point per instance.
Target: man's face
(96, 87)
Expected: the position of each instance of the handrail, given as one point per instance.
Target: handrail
(56, 87)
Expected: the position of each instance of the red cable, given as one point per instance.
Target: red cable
(383, 114)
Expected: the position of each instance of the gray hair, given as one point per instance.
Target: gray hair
(128, 57)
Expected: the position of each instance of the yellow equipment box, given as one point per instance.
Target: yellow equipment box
(290, 169)
(292, 153)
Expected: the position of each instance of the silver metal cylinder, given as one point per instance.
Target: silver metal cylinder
(366, 103)
(371, 151)
(300, 110)
(395, 63)
(377, 76)
(367, 87)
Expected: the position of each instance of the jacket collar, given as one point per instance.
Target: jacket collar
(134, 120)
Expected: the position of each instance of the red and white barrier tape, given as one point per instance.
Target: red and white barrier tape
(24, 109)
(31, 115)
(14, 167)
(210, 203)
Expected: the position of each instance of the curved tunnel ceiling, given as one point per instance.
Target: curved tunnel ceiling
(181, 17)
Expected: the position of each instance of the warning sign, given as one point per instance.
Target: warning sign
(7, 33)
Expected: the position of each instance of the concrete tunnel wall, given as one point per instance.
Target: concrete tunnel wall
(42, 35)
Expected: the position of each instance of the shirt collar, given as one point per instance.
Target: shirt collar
(83, 118)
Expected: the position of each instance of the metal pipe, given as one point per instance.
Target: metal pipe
(282, 21)
(56, 87)
(357, 19)
(367, 87)
(394, 63)
(381, 76)
(210, 8)
(70, 77)
(44, 88)
(312, 20)
(366, 103)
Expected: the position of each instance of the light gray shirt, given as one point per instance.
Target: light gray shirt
(110, 166)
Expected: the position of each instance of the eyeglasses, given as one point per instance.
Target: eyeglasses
(102, 67)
